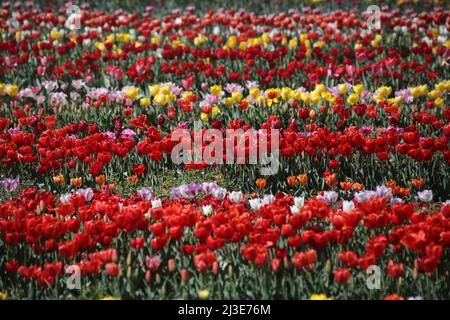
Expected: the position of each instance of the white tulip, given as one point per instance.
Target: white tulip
(207, 210)
(347, 206)
(299, 202)
(294, 209)
(156, 203)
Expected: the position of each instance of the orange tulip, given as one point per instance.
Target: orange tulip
(417, 183)
(391, 184)
(292, 181)
(76, 182)
(100, 180)
(303, 179)
(345, 185)
(261, 183)
(330, 180)
(132, 179)
(59, 179)
(357, 186)
(405, 192)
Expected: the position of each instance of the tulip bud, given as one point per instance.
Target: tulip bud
(286, 262)
(114, 256)
(161, 119)
(293, 124)
(215, 267)
(171, 265)
(275, 265)
(148, 276)
(230, 270)
(414, 272)
(129, 258)
(129, 272)
(203, 294)
(184, 275)
(328, 265)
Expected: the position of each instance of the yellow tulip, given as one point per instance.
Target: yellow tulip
(161, 99)
(231, 43)
(315, 97)
(204, 117)
(131, 93)
(358, 89)
(155, 40)
(3, 295)
(320, 296)
(423, 89)
(319, 44)
(439, 102)
(302, 37)
(55, 34)
(433, 94)
(203, 294)
(236, 96)
(353, 99)
(308, 52)
(306, 97)
(154, 89)
(144, 102)
(187, 94)
(265, 38)
(215, 110)
(440, 87)
(216, 90)
(228, 101)
(166, 89)
(296, 94)
(100, 46)
(343, 88)
(12, 90)
(254, 92)
(110, 38)
(110, 298)
(286, 93)
(292, 44)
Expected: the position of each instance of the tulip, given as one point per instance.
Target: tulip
(292, 181)
(171, 265)
(131, 93)
(161, 119)
(112, 269)
(342, 275)
(3, 295)
(184, 275)
(261, 183)
(203, 294)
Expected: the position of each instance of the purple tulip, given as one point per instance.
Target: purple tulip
(219, 193)
(425, 195)
(9, 184)
(209, 187)
(146, 193)
(87, 193)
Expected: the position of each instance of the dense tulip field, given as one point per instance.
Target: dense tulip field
(93, 100)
